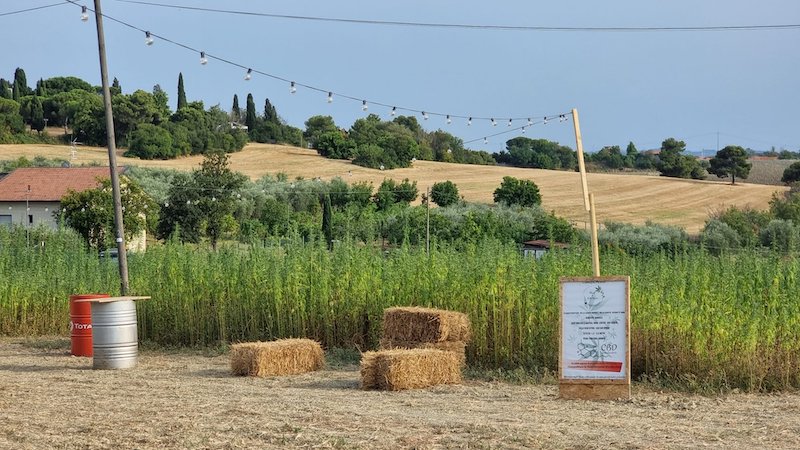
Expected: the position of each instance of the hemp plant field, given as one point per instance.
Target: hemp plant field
(708, 322)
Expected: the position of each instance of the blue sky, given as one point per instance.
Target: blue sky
(640, 87)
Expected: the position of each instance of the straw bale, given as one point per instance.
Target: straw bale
(281, 357)
(369, 378)
(414, 324)
(395, 370)
(457, 347)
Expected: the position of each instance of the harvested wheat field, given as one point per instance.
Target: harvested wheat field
(620, 198)
(182, 400)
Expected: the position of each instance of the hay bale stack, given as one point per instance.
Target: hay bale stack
(413, 324)
(457, 347)
(395, 370)
(281, 357)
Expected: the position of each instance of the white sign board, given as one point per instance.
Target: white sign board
(594, 329)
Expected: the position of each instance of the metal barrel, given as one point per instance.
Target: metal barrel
(115, 340)
(80, 324)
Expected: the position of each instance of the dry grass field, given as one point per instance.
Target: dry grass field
(49, 399)
(621, 198)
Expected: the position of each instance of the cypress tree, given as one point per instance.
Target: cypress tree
(236, 113)
(181, 92)
(37, 114)
(21, 83)
(327, 223)
(116, 88)
(270, 114)
(5, 88)
(250, 115)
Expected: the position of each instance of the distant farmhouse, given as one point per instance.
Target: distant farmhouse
(31, 196)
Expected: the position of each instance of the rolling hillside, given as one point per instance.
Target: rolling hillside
(623, 198)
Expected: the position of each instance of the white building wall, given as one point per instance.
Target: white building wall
(19, 212)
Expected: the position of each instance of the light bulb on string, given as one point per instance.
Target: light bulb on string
(509, 122)
(148, 38)
(562, 118)
(530, 122)
(394, 111)
(523, 130)
(248, 75)
(424, 115)
(469, 121)
(292, 88)
(364, 106)
(213, 199)
(494, 124)
(330, 97)
(485, 141)
(84, 14)
(544, 121)
(449, 121)
(203, 59)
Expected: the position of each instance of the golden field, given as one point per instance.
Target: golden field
(621, 198)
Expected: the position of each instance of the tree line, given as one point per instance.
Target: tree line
(214, 203)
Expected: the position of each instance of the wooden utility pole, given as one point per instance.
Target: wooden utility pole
(581, 165)
(588, 199)
(122, 256)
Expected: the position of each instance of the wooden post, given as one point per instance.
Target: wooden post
(581, 165)
(122, 256)
(595, 247)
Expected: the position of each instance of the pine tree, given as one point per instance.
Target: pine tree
(181, 93)
(236, 112)
(250, 116)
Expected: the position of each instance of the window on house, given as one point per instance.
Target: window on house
(30, 219)
(5, 219)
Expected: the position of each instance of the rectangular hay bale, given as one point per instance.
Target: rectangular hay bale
(395, 370)
(414, 324)
(457, 347)
(281, 357)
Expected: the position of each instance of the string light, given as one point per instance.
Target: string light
(544, 122)
(248, 75)
(523, 130)
(562, 118)
(293, 84)
(84, 14)
(148, 38)
(485, 141)
(364, 106)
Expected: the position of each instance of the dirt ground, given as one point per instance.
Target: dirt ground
(49, 399)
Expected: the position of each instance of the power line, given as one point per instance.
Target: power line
(471, 26)
(205, 56)
(31, 9)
